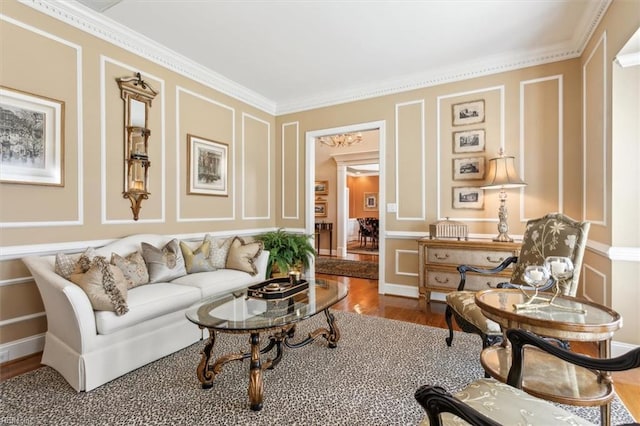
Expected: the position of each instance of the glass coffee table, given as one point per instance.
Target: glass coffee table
(238, 313)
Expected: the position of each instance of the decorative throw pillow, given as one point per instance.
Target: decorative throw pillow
(133, 268)
(104, 285)
(197, 260)
(242, 255)
(68, 264)
(219, 250)
(164, 264)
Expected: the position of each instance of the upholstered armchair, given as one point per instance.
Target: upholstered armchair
(490, 402)
(552, 235)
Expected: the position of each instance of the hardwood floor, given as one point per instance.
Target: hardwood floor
(364, 299)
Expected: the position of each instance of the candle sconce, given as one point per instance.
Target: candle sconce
(137, 96)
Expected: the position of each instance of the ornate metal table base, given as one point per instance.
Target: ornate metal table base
(207, 371)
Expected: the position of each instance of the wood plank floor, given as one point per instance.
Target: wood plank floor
(364, 299)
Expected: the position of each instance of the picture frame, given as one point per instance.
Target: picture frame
(468, 141)
(468, 113)
(207, 167)
(321, 187)
(32, 138)
(468, 197)
(470, 168)
(321, 208)
(370, 201)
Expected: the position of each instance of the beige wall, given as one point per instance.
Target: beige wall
(43, 56)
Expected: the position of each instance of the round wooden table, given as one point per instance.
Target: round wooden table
(544, 375)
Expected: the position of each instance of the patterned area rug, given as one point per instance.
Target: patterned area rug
(369, 379)
(347, 268)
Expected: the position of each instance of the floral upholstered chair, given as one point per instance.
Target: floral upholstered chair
(552, 235)
(490, 402)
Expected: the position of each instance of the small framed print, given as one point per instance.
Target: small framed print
(32, 139)
(370, 201)
(468, 141)
(321, 187)
(468, 168)
(207, 166)
(466, 197)
(468, 113)
(321, 208)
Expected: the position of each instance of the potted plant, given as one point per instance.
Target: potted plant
(287, 251)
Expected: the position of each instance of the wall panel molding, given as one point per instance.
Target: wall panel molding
(594, 285)
(296, 178)
(399, 253)
(80, 131)
(183, 173)
(244, 166)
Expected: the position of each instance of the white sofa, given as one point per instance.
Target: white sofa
(90, 348)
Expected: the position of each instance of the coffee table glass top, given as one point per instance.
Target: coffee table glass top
(237, 312)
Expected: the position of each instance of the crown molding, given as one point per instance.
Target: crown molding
(96, 24)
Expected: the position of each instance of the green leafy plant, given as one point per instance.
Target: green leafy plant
(286, 250)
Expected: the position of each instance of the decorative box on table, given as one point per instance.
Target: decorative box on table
(277, 288)
(448, 229)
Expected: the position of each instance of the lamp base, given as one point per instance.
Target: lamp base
(503, 227)
(503, 237)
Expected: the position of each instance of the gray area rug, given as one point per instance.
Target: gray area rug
(347, 268)
(369, 379)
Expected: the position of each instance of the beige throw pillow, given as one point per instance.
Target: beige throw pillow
(104, 285)
(164, 264)
(242, 255)
(133, 268)
(68, 264)
(219, 250)
(197, 260)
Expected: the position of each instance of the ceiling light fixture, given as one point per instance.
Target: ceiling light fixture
(342, 140)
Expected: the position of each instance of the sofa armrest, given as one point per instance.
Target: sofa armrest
(261, 263)
(69, 312)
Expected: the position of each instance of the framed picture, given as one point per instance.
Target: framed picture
(370, 201)
(32, 137)
(321, 187)
(468, 168)
(468, 141)
(468, 198)
(468, 113)
(321, 208)
(207, 166)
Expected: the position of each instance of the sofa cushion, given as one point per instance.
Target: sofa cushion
(219, 250)
(164, 264)
(217, 282)
(133, 268)
(146, 303)
(242, 255)
(197, 260)
(105, 286)
(464, 303)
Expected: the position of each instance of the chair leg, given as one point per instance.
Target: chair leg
(447, 317)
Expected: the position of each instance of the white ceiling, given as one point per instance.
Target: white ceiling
(309, 53)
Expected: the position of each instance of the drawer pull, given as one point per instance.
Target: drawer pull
(499, 260)
(441, 256)
(441, 280)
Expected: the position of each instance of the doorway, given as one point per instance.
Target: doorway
(341, 197)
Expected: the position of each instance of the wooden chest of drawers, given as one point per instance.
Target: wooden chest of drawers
(440, 258)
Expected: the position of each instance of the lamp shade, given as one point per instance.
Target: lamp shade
(502, 174)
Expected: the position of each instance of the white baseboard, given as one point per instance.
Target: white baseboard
(400, 290)
(22, 347)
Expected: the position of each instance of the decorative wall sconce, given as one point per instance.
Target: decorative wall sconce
(137, 96)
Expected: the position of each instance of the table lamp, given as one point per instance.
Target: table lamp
(502, 175)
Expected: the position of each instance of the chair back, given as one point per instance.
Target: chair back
(553, 235)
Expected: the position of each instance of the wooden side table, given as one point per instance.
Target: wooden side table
(544, 375)
(326, 227)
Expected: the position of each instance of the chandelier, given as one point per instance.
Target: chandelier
(341, 140)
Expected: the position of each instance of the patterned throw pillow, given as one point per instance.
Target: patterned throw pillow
(219, 250)
(164, 264)
(197, 260)
(133, 268)
(68, 264)
(242, 255)
(104, 285)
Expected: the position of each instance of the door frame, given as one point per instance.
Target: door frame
(310, 175)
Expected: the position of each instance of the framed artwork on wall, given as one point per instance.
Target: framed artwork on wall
(321, 208)
(32, 138)
(321, 187)
(370, 201)
(468, 113)
(207, 166)
(468, 168)
(468, 197)
(468, 141)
